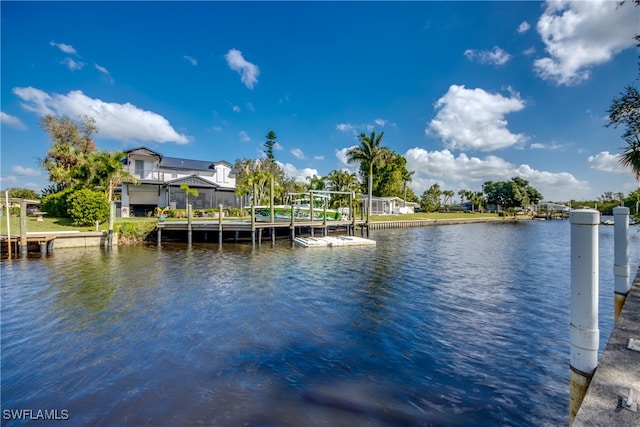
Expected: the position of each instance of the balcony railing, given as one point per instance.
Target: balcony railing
(146, 174)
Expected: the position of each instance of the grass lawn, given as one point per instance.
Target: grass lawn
(58, 224)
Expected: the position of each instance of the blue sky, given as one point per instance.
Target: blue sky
(467, 92)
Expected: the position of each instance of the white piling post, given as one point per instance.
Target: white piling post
(584, 332)
(621, 269)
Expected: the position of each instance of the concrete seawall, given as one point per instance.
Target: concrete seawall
(76, 239)
(613, 395)
(386, 225)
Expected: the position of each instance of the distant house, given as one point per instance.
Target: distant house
(160, 179)
(389, 205)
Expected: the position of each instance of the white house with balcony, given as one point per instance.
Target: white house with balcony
(160, 178)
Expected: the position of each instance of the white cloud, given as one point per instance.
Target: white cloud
(345, 127)
(278, 147)
(248, 72)
(495, 57)
(471, 172)
(523, 27)
(236, 108)
(250, 106)
(73, 65)
(529, 51)
(244, 137)
(217, 128)
(542, 146)
(298, 153)
(299, 175)
(12, 121)
(582, 34)
(366, 127)
(191, 60)
(124, 122)
(66, 48)
(474, 119)
(102, 69)
(318, 157)
(342, 157)
(606, 162)
(20, 170)
(105, 72)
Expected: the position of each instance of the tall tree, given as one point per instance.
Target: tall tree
(430, 200)
(448, 196)
(67, 158)
(388, 174)
(406, 178)
(269, 144)
(510, 194)
(371, 152)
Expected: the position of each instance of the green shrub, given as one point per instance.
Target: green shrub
(88, 206)
(235, 212)
(56, 205)
(134, 231)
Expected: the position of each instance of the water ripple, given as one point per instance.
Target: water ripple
(461, 325)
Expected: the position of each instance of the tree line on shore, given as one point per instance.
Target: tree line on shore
(75, 165)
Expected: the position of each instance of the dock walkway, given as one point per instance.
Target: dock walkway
(613, 395)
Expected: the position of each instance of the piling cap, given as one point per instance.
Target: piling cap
(621, 210)
(584, 217)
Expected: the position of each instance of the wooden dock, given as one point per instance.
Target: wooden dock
(34, 242)
(254, 231)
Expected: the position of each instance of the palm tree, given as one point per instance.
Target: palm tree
(369, 152)
(630, 157)
(107, 171)
(341, 180)
(448, 196)
(406, 177)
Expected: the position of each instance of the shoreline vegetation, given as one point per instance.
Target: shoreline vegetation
(136, 229)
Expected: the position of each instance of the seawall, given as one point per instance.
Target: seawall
(613, 395)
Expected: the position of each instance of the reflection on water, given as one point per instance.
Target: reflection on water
(457, 325)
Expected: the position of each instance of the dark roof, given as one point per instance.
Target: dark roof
(180, 163)
(177, 163)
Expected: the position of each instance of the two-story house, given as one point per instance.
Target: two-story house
(160, 178)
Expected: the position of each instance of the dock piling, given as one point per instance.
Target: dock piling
(24, 249)
(189, 225)
(584, 332)
(621, 269)
(220, 224)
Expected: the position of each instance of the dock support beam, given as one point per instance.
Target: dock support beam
(584, 332)
(621, 270)
(189, 225)
(24, 249)
(112, 215)
(220, 224)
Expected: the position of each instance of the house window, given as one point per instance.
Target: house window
(139, 168)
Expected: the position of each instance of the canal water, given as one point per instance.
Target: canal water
(453, 325)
